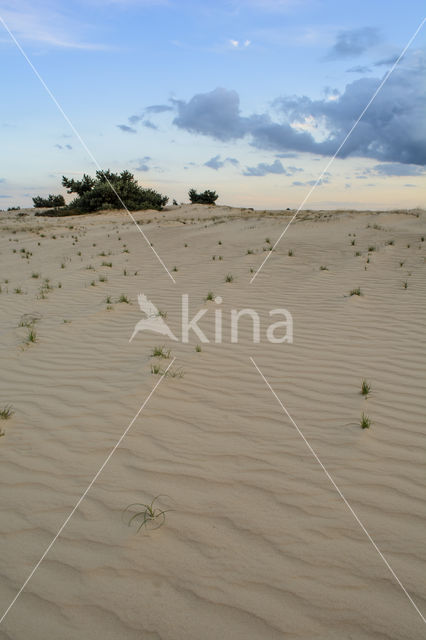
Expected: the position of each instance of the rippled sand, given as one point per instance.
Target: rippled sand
(257, 544)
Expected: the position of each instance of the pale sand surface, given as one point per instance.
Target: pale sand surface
(258, 544)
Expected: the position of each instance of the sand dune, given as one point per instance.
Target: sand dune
(257, 544)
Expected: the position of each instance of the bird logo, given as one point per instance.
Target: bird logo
(153, 320)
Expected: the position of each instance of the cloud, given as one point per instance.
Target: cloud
(216, 163)
(359, 69)
(149, 124)
(310, 183)
(2, 179)
(39, 22)
(216, 114)
(396, 169)
(65, 146)
(158, 108)
(393, 129)
(3, 196)
(143, 164)
(236, 44)
(354, 42)
(262, 169)
(126, 128)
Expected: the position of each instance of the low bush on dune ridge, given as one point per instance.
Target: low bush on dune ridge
(206, 197)
(50, 201)
(109, 191)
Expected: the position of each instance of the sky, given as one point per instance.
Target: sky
(250, 98)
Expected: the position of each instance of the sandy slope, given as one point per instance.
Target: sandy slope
(258, 544)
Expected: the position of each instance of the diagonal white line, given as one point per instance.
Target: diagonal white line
(340, 493)
(84, 145)
(80, 500)
(327, 166)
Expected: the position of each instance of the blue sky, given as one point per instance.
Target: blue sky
(248, 97)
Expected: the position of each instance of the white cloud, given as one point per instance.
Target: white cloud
(39, 22)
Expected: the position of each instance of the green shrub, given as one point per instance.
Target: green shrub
(50, 201)
(111, 191)
(207, 197)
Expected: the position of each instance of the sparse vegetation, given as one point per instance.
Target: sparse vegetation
(150, 516)
(229, 277)
(209, 296)
(160, 352)
(355, 292)
(365, 388)
(365, 422)
(6, 412)
(124, 299)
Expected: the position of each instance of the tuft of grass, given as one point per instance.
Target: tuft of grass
(355, 292)
(365, 388)
(357, 253)
(123, 298)
(401, 264)
(35, 275)
(162, 314)
(7, 412)
(365, 422)
(174, 268)
(229, 277)
(156, 369)
(93, 283)
(352, 242)
(108, 300)
(197, 348)
(103, 278)
(220, 242)
(250, 252)
(209, 296)
(220, 258)
(160, 352)
(290, 252)
(106, 264)
(372, 248)
(31, 337)
(391, 242)
(213, 257)
(151, 517)
(323, 268)
(405, 284)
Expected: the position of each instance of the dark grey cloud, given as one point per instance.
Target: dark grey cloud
(393, 129)
(126, 128)
(215, 114)
(396, 169)
(354, 42)
(216, 162)
(262, 169)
